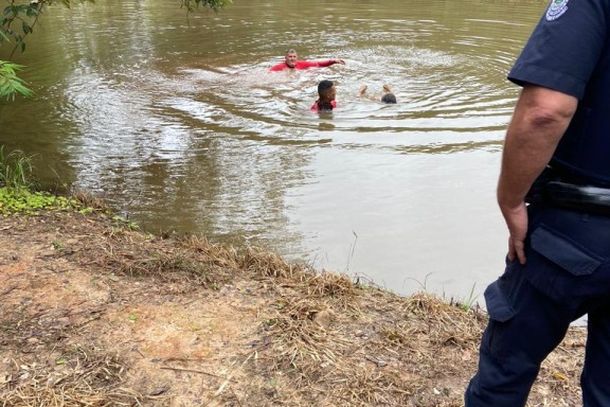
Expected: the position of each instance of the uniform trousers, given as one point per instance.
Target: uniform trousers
(566, 275)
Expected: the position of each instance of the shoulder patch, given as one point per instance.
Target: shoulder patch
(556, 9)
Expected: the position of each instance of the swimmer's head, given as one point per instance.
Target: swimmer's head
(326, 95)
(389, 98)
(291, 58)
(326, 90)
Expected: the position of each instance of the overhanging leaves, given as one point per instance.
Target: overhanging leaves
(10, 83)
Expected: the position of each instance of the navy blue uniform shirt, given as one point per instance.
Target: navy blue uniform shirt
(565, 47)
(569, 52)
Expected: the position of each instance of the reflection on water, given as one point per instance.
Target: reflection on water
(178, 123)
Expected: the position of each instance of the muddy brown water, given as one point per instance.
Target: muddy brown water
(179, 125)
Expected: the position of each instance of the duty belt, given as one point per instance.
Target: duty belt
(561, 194)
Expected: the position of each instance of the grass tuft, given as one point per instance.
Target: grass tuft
(15, 169)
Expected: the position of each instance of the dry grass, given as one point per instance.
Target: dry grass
(318, 339)
(89, 200)
(219, 255)
(384, 354)
(190, 262)
(167, 267)
(81, 377)
(267, 264)
(321, 285)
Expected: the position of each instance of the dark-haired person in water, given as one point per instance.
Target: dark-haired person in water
(326, 97)
(386, 97)
(291, 61)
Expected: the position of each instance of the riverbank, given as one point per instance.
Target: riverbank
(96, 312)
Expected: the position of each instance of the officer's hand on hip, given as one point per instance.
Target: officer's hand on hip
(516, 220)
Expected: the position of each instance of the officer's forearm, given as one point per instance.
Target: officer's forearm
(539, 121)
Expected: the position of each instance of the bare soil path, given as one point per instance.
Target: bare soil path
(95, 314)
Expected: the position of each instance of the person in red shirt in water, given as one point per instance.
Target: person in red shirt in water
(291, 62)
(326, 97)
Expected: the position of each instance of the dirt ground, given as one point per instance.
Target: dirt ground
(95, 314)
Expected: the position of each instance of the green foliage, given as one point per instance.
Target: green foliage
(10, 83)
(57, 245)
(121, 221)
(22, 200)
(19, 17)
(15, 169)
(86, 210)
(16, 182)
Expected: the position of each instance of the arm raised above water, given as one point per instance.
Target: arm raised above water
(319, 64)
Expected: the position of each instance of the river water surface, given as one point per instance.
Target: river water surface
(179, 125)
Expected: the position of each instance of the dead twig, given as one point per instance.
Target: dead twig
(179, 369)
(228, 379)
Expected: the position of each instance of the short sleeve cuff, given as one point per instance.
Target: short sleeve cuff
(522, 74)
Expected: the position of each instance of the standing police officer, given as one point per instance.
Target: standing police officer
(557, 147)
